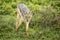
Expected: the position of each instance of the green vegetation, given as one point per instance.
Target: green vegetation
(45, 23)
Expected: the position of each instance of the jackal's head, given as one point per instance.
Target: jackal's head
(28, 16)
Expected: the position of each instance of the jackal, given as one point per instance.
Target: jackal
(23, 15)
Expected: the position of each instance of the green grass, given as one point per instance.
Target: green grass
(37, 32)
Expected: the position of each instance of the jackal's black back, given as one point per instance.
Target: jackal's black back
(23, 9)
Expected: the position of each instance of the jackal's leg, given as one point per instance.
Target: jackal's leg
(17, 21)
(27, 24)
(20, 22)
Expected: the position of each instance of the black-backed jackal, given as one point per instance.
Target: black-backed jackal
(23, 15)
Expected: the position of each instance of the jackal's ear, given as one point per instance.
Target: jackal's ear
(31, 12)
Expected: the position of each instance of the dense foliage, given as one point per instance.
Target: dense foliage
(45, 23)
